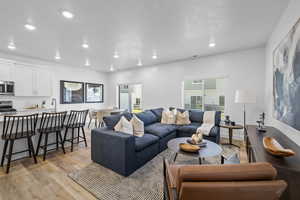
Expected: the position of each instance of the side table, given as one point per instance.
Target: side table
(230, 131)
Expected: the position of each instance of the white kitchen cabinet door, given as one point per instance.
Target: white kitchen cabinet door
(42, 83)
(6, 71)
(23, 77)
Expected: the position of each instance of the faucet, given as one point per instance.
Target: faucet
(53, 102)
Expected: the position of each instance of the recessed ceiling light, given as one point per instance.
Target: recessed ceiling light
(87, 63)
(112, 68)
(57, 56)
(11, 46)
(67, 14)
(139, 63)
(212, 44)
(30, 27)
(85, 45)
(116, 55)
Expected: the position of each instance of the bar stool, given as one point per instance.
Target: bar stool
(16, 128)
(51, 123)
(76, 120)
(92, 116)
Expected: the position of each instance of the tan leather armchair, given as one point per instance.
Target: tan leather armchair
(253, 181)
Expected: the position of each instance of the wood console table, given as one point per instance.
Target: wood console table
(288, 169)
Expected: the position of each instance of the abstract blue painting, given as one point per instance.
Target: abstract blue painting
(286, 79)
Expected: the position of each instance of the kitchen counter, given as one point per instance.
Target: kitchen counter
(27, 112)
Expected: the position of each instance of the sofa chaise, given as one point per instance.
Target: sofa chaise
(124, 153)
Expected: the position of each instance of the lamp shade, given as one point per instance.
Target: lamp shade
(244, 96)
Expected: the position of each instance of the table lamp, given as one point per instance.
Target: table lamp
(244, 97)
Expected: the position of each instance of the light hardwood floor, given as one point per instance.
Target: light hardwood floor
(49, 179)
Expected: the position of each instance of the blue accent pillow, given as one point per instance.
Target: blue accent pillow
(196, 116)
(112, 120)
(158, 113)
(218, 118)
(147, 117)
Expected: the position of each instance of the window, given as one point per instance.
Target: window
(205, 94)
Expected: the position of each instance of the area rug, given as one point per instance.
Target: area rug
(144, 184)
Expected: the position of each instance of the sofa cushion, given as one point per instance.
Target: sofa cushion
(190, 128)
(147, 117)
(157, 112)
(138, 126)
(168, 117)
(112, 120)
(196, 116)
(182, 118)
(124, 126)
(160, 130)
(145, 141)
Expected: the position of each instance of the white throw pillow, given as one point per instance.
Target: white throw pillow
(124, 126)
(168, 117)
(138, 126)
(183, 118)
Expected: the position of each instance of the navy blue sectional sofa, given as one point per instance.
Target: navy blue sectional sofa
(124, 153)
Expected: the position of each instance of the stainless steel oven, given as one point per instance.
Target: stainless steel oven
(7, 88)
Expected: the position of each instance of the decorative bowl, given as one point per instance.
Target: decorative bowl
(189, 148)
(273, 147)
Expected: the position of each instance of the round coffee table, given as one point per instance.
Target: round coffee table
(211, 149)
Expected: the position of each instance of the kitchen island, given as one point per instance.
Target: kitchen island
(21, 144)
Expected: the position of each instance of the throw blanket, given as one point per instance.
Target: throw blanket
(208, 123)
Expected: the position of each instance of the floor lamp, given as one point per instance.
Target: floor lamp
(244, 97)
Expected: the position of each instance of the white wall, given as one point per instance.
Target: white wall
(288, 19)
(59, 72)
(162, 84)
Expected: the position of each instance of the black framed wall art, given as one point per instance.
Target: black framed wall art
(94, 93)
(71, 92)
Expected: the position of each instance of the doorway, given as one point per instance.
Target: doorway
(130, 97)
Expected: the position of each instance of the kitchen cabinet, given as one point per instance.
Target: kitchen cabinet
(31, 81)
(23, 77)
(6, 71)
(42, 83)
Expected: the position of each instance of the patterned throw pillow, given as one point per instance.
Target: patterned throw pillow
(138, 126)
(182, 118)
(168, 117)
(124, 126)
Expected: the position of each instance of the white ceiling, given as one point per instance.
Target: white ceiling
(176, 29)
